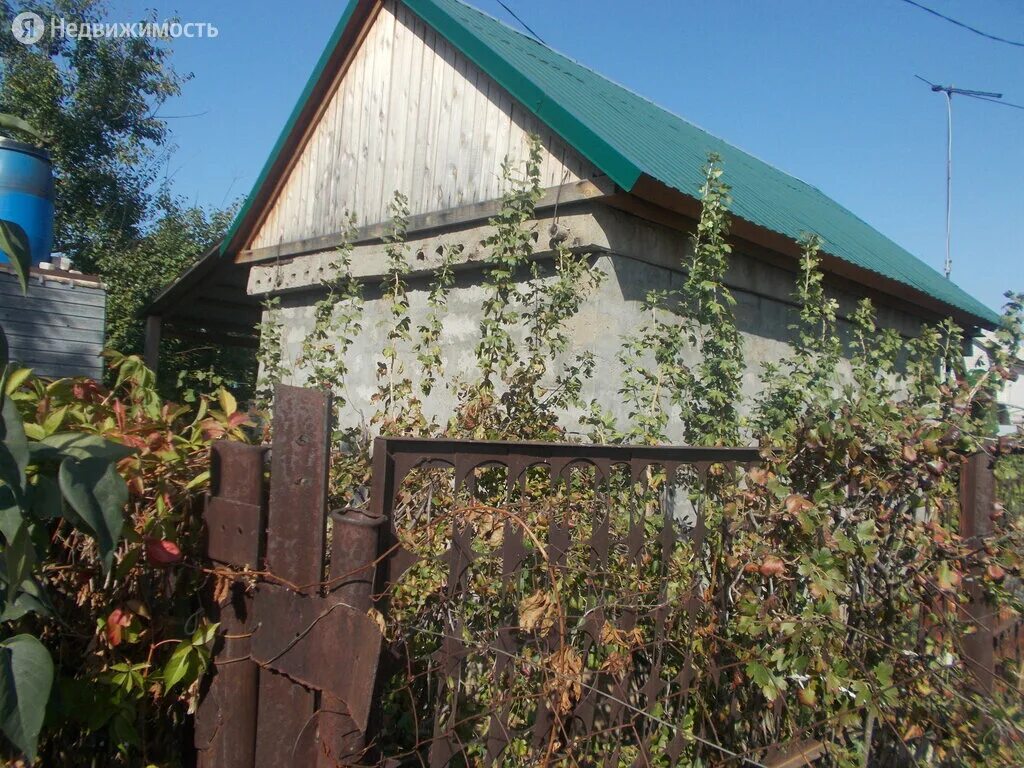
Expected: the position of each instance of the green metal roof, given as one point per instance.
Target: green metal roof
(627, 136)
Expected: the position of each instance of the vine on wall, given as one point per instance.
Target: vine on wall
(835, 570)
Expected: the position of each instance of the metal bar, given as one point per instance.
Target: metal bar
(493, 449)
(355, 548)
(225, 729)
(295, 547)
(977, 500)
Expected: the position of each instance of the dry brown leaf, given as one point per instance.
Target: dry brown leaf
(616, 664)
(795, 504)
(565, 685)
(378, 618)
(221, 590)
(772, 566)
(537, 612)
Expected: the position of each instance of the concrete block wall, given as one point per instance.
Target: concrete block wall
(636, 258)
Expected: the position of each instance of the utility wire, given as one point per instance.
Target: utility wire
(523, 23)
(960, 24)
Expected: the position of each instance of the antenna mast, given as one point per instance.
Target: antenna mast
(949, 90)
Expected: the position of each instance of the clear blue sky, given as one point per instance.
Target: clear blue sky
(823, 89)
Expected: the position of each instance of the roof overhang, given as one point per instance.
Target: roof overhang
(209, 300)
(344, 41)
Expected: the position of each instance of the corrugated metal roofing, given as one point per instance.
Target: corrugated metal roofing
(626, 135)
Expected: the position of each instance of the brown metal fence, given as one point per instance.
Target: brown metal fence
(303, 660)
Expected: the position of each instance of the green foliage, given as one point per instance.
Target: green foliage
(98, 504)
(14, 243)
(694, 322)
(135, 273)
(427, 347)
(396, 404)
(98, 100)
(336, 323)
(270, 356)
(26, 675)
(809, 374)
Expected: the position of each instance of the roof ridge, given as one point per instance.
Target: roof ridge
(636, 93)
(759, 198)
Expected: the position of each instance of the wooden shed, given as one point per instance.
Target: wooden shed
(57, 327)
(429, 97)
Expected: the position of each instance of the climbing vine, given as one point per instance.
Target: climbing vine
(830, 577)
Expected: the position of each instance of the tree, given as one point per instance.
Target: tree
(97, 99)
(135, 274)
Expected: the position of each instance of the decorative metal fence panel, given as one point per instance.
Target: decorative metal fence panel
(553, 624)
(494, 604)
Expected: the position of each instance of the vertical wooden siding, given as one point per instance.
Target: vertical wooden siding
(414, 115)
(56, 329)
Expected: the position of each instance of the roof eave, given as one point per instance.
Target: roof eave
(653, 191)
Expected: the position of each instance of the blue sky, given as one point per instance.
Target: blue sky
(823, 89)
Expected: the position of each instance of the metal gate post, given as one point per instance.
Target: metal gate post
(355, 554)
(296, 522)
(977, 502)
(225, 729)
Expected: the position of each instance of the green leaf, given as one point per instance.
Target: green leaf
(14, 451)
(14, 243)
(98, 494)
(23, 604)
(26, 677)
(80, 445)
(15, 379)
(11, 516)
(179, 665)
(227, 401)
(19, 557)
(47, 503)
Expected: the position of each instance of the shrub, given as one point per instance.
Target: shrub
(100, 585)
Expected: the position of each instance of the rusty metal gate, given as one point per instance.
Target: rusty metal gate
(296, 675)
(294, 679)
(302, 661)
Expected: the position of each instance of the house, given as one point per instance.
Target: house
(428, 97)
(1011, 396)
(56, 327)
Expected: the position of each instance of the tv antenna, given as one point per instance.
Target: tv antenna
(949, 91)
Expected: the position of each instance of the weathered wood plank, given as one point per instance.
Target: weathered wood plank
(427, 222)
(28, 324)
(59, 343)
(80, 295)
(20, 305)
(409, 113)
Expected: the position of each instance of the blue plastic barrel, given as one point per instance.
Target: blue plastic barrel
(26, 194)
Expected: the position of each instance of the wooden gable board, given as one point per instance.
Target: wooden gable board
(412, 114)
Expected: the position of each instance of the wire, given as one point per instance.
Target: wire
(597, 691)
(523, 23)
(968, 27)
(995, 101)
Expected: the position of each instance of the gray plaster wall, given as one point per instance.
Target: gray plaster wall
(635, 256)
